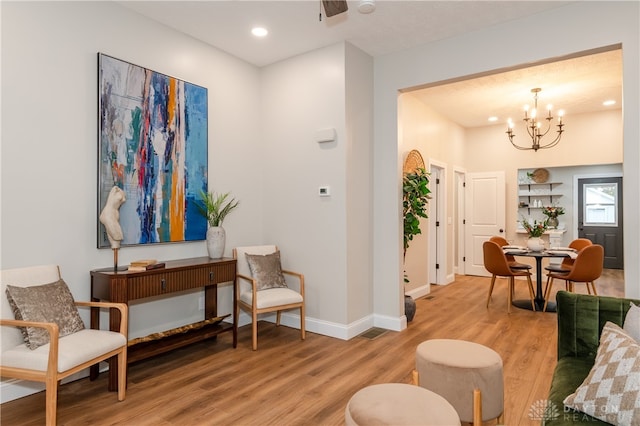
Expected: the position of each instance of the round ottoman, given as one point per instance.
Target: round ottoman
(466, 374)
(399, 404)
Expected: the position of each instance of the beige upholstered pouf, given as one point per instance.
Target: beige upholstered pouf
(455, 369)
(399, 404)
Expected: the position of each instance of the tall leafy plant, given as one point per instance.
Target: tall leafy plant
(415, 197)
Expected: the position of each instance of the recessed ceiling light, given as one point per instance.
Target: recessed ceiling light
(259, 32)
(494, 118)
(609, 102)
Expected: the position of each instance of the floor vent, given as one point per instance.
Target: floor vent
(373, 333)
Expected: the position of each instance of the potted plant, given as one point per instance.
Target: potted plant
(535, 231)
(415, 196)
(215, 207)
(552, 213)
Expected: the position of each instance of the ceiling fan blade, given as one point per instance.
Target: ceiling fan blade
(334, 7)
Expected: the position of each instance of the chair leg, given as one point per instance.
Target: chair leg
(415, 378)
(531, 293)
(593, 286)
(547, 292)
(477, 407)
(254, 330)
(302, 330)
(493, 281)
(510, 294)
(51, 404)
(122, 374)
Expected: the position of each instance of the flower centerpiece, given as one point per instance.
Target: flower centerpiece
(552, 212)
(535, 231)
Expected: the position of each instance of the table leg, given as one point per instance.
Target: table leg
(539, 293)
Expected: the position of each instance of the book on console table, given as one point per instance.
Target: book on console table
(145, 265)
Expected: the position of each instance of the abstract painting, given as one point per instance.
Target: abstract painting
(152, 142)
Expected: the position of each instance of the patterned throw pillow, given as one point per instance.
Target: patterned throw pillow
(44, 303)
(632, 322)
(266, 270)
(611, 391)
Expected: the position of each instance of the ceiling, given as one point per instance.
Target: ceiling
(579, 85)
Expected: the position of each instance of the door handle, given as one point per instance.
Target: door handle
(501, 230)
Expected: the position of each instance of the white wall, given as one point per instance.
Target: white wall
(589, 139)
(441, 141)
(483, 51)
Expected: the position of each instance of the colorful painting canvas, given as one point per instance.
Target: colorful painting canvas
(153, 142)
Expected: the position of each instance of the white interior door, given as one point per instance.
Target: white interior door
(484, 216)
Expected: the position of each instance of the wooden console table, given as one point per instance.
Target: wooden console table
(177, 275)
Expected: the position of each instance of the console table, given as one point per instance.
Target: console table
(178, 275)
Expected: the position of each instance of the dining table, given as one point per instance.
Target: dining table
(538, 256)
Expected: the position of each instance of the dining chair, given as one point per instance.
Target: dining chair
(513, 263)
(567, 262)
(495, 261)
(587, 268)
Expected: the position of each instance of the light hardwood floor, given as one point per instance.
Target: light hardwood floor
(293, 382)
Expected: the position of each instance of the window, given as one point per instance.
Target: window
(601, 204)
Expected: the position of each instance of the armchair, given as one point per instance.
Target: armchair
(261, 287)
(57, 357)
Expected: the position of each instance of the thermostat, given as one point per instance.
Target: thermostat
(324, 191)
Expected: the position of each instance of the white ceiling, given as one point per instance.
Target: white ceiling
(294, 28)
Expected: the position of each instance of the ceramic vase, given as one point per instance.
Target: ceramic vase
(215, 241)
(409, 307)
(535, 244)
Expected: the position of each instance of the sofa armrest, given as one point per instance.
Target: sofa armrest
(581, 318)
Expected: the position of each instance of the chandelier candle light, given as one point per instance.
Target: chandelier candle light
(534, 128)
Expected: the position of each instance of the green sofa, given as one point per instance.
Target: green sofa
(580, 321)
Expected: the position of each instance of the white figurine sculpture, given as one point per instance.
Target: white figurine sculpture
(110, 216)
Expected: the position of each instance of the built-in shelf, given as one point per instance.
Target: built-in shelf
(531, 191)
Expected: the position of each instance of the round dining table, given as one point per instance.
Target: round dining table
(539, 296)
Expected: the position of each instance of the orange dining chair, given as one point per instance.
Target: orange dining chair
(586, 268)
(495, 261)
(567, 262)
(510, 259)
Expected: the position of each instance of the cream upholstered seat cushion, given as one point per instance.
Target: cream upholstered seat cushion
(399, 404)
(454, 368)
(73, 350)
(271, 297)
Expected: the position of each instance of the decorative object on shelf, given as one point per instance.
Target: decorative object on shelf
(110, 218)
(534, 128)
(535, 231)
(552, 213)
(540, 175)
(215, 208)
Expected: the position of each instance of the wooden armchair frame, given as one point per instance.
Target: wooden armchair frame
(51, 376)
(255, 311)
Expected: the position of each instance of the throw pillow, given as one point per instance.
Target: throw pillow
(266, 270)
(44, 303)
(632, 322)
(611, 391)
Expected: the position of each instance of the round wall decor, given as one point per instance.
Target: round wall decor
(413, 162)
(540, 175)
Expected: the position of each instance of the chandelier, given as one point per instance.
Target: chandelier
(534, 128)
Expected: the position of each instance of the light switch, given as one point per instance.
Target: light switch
(324, 191)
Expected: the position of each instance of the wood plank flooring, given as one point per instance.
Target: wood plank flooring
(293, 382)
